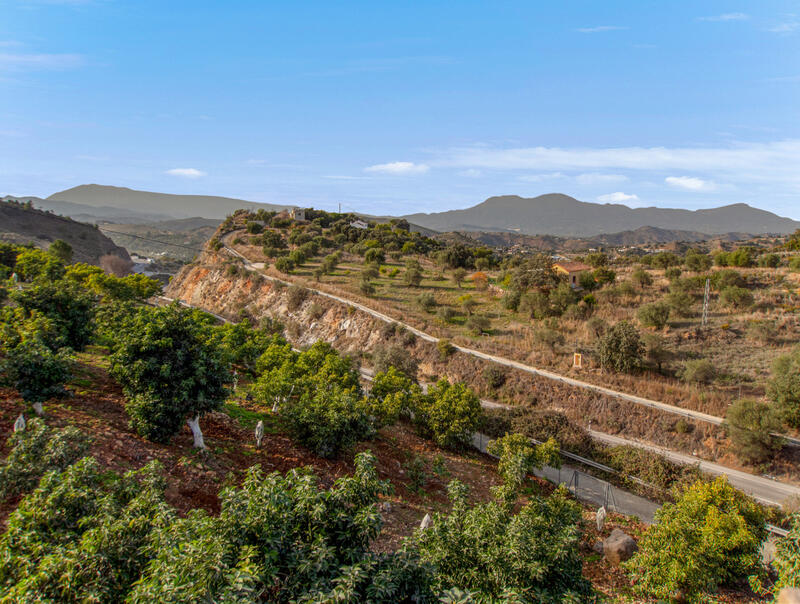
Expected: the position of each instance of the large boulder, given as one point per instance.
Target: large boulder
(618, 547)
(789, 595)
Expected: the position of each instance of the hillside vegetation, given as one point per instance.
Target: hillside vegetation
(108, 498)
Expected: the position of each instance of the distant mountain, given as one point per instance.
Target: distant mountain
(123, 205)
(557, 214)
(19, 224)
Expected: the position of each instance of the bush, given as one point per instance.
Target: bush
(412, 277)
(621, 349)
(654, 315)
(769, 260)
(284, 265)
(604, 275)
(426, 301)
(295, 296)
(794, 264)
(641, 278)
(478, 324)
(37, 450)
(395, 356)
(35, 371)
(445, 314)
(698, 371)
(449, 414)
(328, 420)
(680, 303)
(710, 537)
(727, 278)
(698, 262)
(736, 298)
(784, 386)
(672, 273)
(751, 425)
(495, 376)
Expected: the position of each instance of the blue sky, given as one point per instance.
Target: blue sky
(393, 108)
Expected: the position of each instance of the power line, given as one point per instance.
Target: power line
(194, 249)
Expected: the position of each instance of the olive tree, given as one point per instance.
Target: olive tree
(751, 425)
(170, 371)
(621, 348)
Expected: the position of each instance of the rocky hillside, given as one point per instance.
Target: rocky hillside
(220, 284)
(24, 224)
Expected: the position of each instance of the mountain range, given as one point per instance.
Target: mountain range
(551, 214)
(558, 214)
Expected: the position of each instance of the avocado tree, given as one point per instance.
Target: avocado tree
(170, 371)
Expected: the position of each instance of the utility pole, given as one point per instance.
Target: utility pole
(705, 301)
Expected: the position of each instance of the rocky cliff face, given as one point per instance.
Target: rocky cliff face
(218, 284)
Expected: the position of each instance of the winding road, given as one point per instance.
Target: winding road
(763, 489)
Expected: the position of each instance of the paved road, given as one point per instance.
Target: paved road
(502, 360)
(765, 490)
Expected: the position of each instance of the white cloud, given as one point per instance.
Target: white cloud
(690, 183)
(597, 178)
(726, 17)
(618, 197)
(398, 167)
(770, 163)
(20, 62)
(186, 172)
(599, 28)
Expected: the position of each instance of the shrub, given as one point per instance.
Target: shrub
(604, 275)
(711, 536)
(698, 262)
(61, 250)
(596, 327)
(37, 450)
(641, 278)
(656, 350)
(511, 299)
(253, 227)
(449, 414)
(426, 301)
(295, 296)
(445, 348)
(495, 376)
(672, 273)
(446, 314)
(654, 315)
(784, 386)
(412, 277)
(769, 260)
(374, 256)
(328, 420)
(366, 286)
(596, 259)
(621, 349)
(680, 303)
(727, 278)
(458, 275)
(386, 356)
(284, 264)
(736, 298)
(698, 371)
(478, 324)
(750, 425)
(794, 264)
